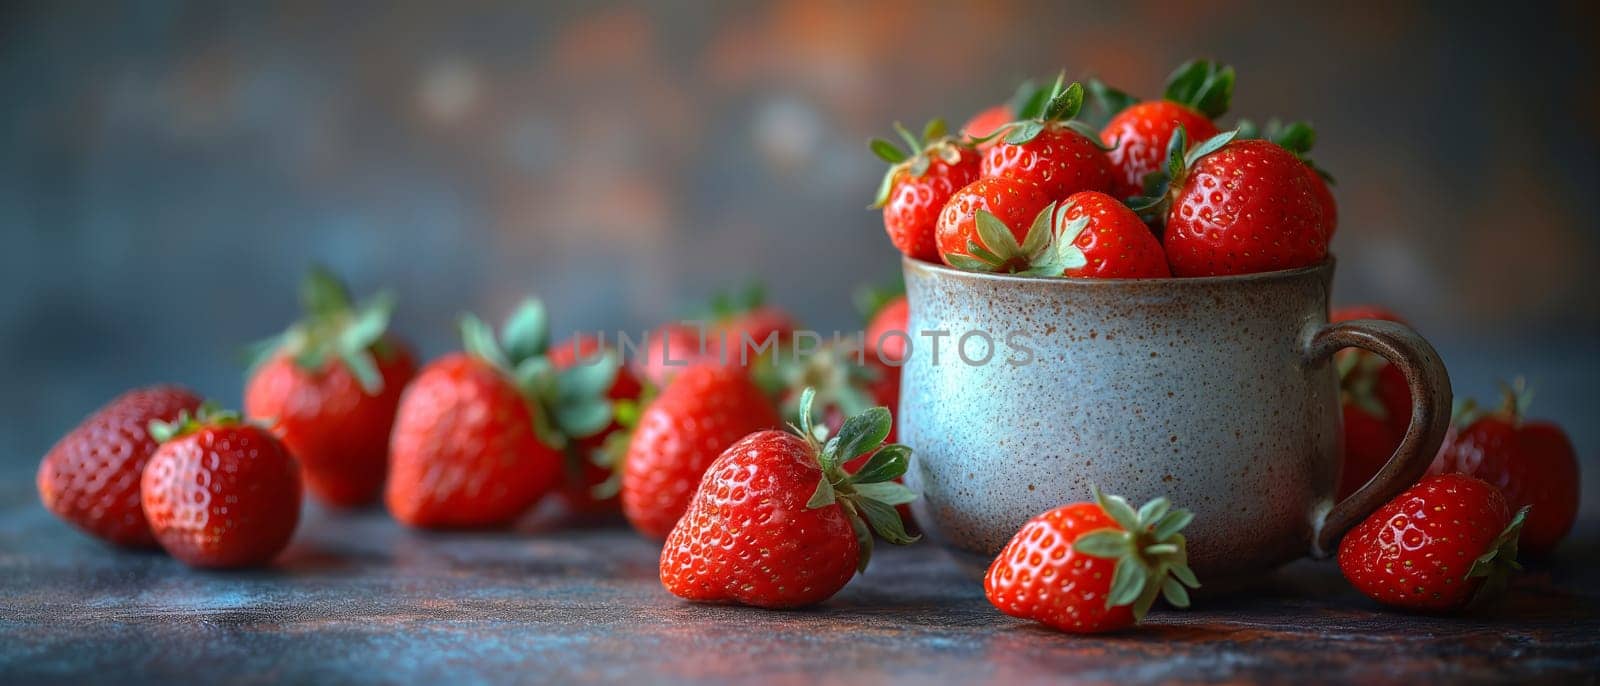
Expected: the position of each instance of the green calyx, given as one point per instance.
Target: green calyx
(1515, 397)
(614, 449)
(1203, 85)
(208, 414)
(1106, 102)
(334, 327)
(936, 143)
(1057, 104)
(572, 402)
(1048, 249)
(726, 304)
(1496, 565)
(1162, 185)
(833, 379)
(1296, 137)
(868, 497)
(1152, 558)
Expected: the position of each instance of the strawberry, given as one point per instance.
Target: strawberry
(1093, 567)
(1299, 138)
(777, 523)
(1531, 462)
(1235, 207)
(986, 123)
(729, 331)
(918, 183)
(1435, 546)
(473, 444)
(1376, 403)
(887, 335)
(1197, 92)
(1090, 235)
(90, 478)
(1009, 205)
(984, 128)
(590, 486)
(1368, 445)
(703, 411)
(668, 350)
(220, 492)
(1046, 149)
(329, 387)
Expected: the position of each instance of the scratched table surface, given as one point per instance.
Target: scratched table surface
(358, 599)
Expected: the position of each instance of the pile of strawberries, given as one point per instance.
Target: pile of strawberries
(686, 440)
(1157, 191)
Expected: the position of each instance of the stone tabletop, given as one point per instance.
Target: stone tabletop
(358, 599)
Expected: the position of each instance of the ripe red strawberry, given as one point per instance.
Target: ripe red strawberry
(590, 486)
(90, 478)
(1299, 138)
(985, 124)
(1113, 242)
(1197, 92)
(1376, 403)
(1236, 207)
(1531, 462)
(732, 329)
(1090, 235)
(1368, 444)
(1048, 150)
(220, 492)
(918, 183)
(1015, 204)
(473, 444)
(329, 387)
(1093, 567)
(703, 411)
(886, 334)
(1435, 546)
(668, 350)
(777, 523)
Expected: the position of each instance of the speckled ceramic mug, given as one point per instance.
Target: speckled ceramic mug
(1219, 393)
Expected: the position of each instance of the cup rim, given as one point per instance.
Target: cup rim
(910, 264)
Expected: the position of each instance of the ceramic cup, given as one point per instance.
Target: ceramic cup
(1219, 393)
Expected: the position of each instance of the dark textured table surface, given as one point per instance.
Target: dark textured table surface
(358, 599)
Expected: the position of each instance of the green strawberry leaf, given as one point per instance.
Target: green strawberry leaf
(861, 433)
(1174, 592)
(322, 294)
(1154, 510)
(527, 331)
(1107, 543)
(886, 492)
(883, 519)
(888, 463)
(1208, 146)
(1171, 523)
(1108, 101)
(886, 151)
(592, 378)
(478, 339)
(823, 496)
(364, 368)
(1127, 582)
(584, 418)
(1203, 85)
(1024, 132)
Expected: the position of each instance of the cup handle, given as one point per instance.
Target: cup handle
(1430, 418)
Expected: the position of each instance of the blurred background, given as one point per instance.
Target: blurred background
(169, 169)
